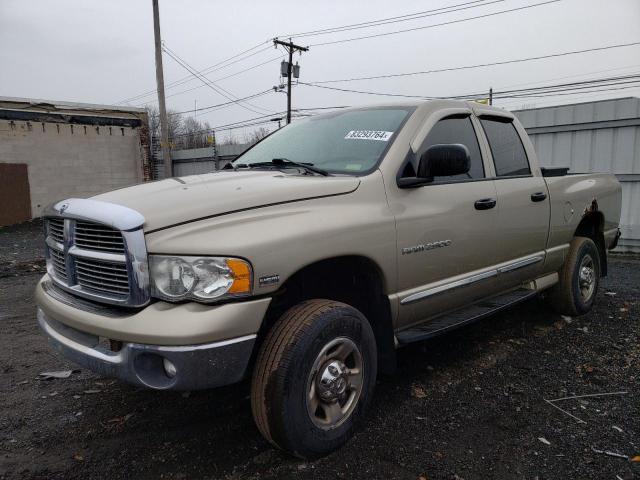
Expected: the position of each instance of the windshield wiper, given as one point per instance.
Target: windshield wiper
(307, 166)
(282, 162)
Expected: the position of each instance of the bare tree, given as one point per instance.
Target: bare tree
(184, 132)
(230, 139)
(154, 120)
(191, 133)
(257, 135)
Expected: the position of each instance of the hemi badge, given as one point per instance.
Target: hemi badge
(268, 280)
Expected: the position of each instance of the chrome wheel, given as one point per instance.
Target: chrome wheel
(587, 277)
(335, 383)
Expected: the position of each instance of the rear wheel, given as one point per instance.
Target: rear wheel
(314, 377)
(576, 290)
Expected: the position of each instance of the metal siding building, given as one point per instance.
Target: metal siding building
(600, 136)
(199, 160)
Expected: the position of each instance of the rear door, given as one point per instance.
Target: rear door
(523, 203)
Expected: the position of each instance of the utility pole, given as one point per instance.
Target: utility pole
(290, 47)
(164, 127)
(491, 96)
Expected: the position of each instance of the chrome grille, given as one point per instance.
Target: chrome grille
(56, 229)
(103, 276)
(96, 250)
(93, 236)
(58, 263)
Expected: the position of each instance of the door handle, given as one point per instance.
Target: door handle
(538, 196)
(485, 203)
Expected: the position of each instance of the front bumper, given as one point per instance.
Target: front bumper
(193, 367)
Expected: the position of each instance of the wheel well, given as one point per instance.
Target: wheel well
(592, 226)
(354, 280)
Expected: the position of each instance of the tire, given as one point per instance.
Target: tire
(574, 294)
(283, 378)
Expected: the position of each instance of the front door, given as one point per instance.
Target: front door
(446, 231)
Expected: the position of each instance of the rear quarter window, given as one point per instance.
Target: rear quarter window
(509, 156)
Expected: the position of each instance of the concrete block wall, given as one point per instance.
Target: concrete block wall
(66, 160)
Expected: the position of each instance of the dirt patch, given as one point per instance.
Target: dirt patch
(467, 405)
(21, 249)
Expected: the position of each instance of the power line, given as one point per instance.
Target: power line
(232, 126)
(579, 91)
(206, 70)
(479, 65)
(211, 107)
(610, 81)
(561, 87)
(561, 90)
(552, 103)
(388, 20)
(450, 22)
(349, 90)
(585, 74)
(188, 78)
(256, 120)
(259, 122)
(216, 88)
(543, 91)
(225, 77)
(321, 108)
(619, 79)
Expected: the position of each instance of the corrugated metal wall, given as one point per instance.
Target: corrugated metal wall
(199, 160)
(602, 136)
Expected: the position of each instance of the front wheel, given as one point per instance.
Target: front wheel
(576, 290)
(314, 377)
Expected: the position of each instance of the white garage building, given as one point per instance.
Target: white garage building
(54, 150)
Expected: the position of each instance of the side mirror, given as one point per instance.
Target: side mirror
(444, 160)
(440, 160)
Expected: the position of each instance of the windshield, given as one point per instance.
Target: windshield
(349, 142)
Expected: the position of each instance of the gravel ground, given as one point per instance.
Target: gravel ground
(467, 405)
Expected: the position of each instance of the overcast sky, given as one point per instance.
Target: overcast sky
(102, 51)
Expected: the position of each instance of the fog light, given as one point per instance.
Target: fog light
(169, 368)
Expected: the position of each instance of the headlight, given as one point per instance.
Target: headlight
(203, 279)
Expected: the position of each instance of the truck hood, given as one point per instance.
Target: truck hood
(183, 199)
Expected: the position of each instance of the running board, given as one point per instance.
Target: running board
(463, 316)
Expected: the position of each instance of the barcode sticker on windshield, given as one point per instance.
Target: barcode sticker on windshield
(379, 135)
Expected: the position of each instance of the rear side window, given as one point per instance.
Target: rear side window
(507, 150)
(456, 130)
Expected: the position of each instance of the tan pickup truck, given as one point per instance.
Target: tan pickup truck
(318, 253)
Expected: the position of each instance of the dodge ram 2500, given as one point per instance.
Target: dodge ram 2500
(308, 261)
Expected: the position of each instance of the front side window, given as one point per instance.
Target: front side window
(346, 142)
(507, 150)
(456, 130)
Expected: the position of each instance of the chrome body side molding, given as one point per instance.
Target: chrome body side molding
(471, 279)
(448, 286)
(521, 264)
